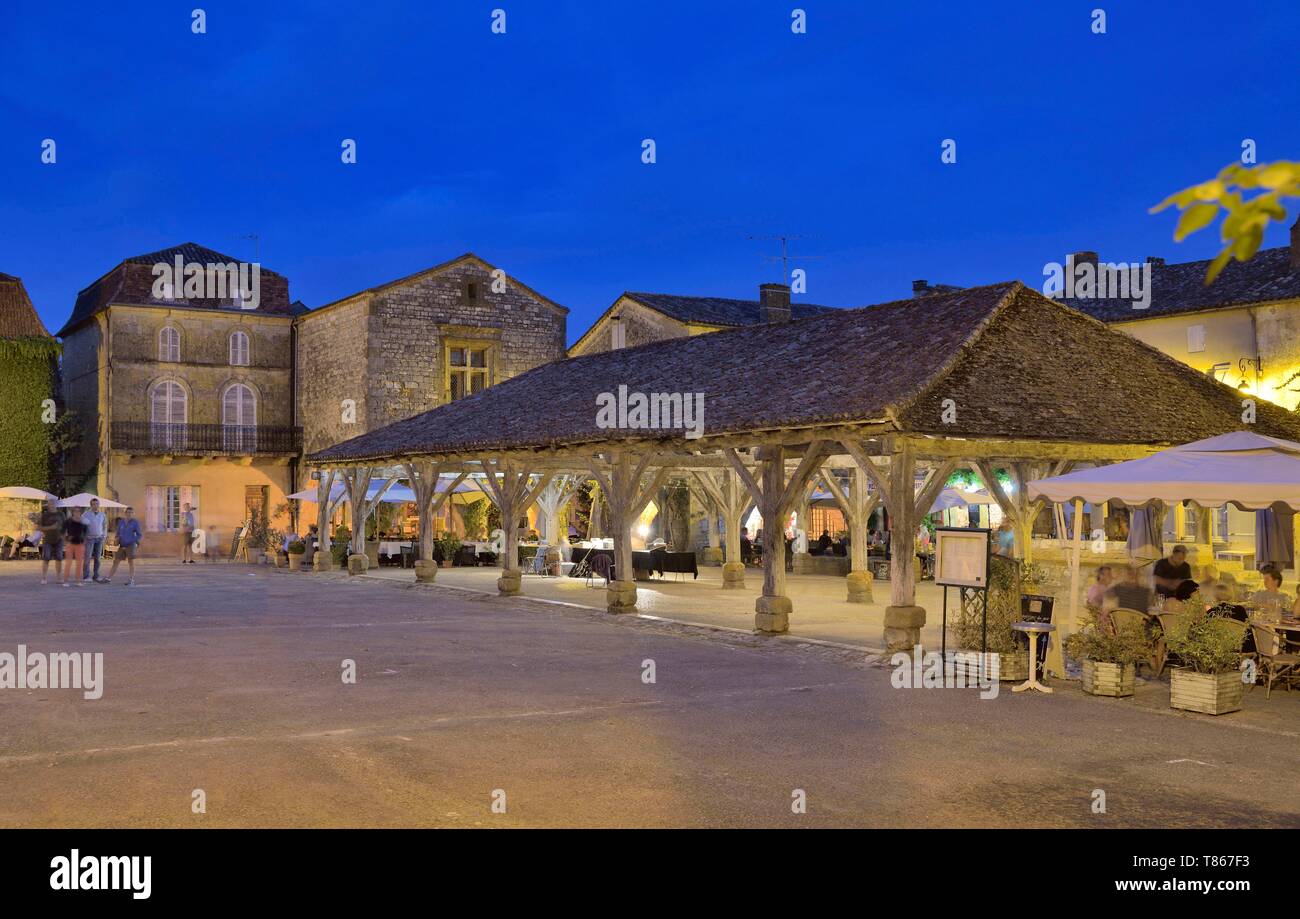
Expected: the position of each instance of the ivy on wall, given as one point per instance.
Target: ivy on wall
(25, 434)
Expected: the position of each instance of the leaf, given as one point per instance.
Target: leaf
(1196, 217)
(1279, 175)
(1217, 265)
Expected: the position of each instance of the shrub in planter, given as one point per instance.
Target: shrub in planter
(449, 543)
(1109, 660)
(1210, 649)
(297, 549)
(340, 546)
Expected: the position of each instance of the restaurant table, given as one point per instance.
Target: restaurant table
(1240, 556)
(1033, 630)
(1291, 628)
(642, 560)
(392, 547)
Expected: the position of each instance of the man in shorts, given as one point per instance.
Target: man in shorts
(128, 544)
(50, 523)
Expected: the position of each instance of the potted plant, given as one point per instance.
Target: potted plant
(1109, 659)
(449, 542)
(1009, 647)
(1210, 648)
(297, 549)
(340, 546)
(272, 542)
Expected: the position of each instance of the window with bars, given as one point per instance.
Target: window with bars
(239, 419)
(167, 415)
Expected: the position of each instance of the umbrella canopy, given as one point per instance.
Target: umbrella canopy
(398, 494)
(25, 493)
(1242, 468)
(1145, 538)
(84, 499)
(954, 497)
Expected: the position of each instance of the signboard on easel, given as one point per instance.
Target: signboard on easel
(961, 557)
(238, 544)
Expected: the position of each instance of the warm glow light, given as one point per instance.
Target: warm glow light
(643, 531)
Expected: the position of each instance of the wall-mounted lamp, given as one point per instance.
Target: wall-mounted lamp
(1247, 362)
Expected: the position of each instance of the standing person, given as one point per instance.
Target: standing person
(128, 543)
(74, 536)
(50, 523)
(96, 529)
(187, 535)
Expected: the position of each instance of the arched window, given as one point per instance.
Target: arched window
(239, 349)
(239, 419)
(167, 415)
(169, 345)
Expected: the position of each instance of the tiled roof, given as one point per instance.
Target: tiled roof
(18, 317)
(717, 310)
(996, 351)
(1181, 288)
(131, 282)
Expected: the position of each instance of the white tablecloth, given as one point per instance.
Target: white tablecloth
(390, 547)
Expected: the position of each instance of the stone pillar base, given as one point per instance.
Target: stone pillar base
(859, 584)
(800, 562)
(620, 597)
(733, 575)
(358, 564)
(426, 569)
(903, 627)
(508, 585)
(772, 614)
(711, 556)
(322, 561)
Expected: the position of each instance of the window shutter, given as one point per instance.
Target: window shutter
(153, 509)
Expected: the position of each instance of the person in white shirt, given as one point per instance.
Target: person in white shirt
(96, 529)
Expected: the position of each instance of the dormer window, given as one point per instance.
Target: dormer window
(617, 333)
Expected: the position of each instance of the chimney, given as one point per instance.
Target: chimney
(1295, 246)
(774, 302)
(1081, 257)
(1155, 261)
(920, 288)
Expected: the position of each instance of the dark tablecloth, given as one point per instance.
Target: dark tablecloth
(656, 561)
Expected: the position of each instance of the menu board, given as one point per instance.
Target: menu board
(961, 557)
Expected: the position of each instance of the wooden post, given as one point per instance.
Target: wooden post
(323, 560)
(423, 476)
(731, 498)
(627, 497)
(775, 497)
(857, 506)
(1056, 653)
(514, 498)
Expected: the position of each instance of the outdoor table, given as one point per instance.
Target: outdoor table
(391, 547)
(1033, 630)
(1292, 629)
(1237, 555)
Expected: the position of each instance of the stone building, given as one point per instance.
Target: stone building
(183, 399)
(639, 318)
(406, 346)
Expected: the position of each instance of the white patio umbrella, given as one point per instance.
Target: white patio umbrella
(23, 492)
(1242, 468)
(84, 499)
(955, 497)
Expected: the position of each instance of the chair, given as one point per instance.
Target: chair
(537, 564)
(1123, 618)
(408, 554)
(602, 566)
(1272, 662)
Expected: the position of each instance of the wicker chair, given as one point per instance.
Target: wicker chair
(1162, 655)
(1273, 663)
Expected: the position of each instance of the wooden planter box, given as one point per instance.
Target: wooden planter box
(1211, 693)
(295, 561)
(1010, 667)
(1106, 679)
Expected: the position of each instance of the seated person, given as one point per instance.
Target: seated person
(1223, 605)
(1173, 576)
(1295, 607)
(1097, 592)
(1272, 594)
(824, 541)
(1130, 593)
(746, 546)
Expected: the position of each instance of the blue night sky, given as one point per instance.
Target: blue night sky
(525, 148)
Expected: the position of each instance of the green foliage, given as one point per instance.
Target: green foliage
(1128, 645)
(493, 517)
(297, 547)
(450, 544)
(340, 545)
(1004, 609)
(474, 517)
(1207, 644)
(26, 440)
(1245, 219)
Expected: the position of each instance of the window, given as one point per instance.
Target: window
(169, 345)
(469, 370)
(167, 411)
(239, 349)
(1195, 339)
(239, 419)
(163, 505)
(617, 333)
(471, 291)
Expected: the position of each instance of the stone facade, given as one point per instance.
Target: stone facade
(641, 326)
(387, 348)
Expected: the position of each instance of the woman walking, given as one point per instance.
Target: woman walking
(74, 554)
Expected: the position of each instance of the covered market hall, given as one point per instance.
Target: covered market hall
(877, 407)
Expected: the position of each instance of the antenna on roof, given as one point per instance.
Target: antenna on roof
(785, 257)
(257, 246)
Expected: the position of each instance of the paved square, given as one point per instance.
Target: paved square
(227, 678)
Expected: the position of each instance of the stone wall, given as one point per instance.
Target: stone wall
(331, 368)
(641, 326)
